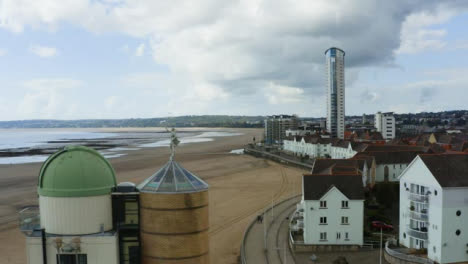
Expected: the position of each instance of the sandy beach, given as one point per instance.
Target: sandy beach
(240, 187)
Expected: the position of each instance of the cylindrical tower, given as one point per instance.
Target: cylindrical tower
(75, 192)
(174, 217)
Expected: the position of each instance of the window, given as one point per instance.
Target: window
(338, 235)
(323, 236)
(323, 204)
(72, 258)
(458, 232)
(344, 204)
(458, 213)
(323, 220)
(435, 192)
(344, 220)
(346, 237)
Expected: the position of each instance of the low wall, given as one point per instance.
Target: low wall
(394, 257)
(297, 248)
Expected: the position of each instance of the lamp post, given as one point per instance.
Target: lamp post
(380, 254)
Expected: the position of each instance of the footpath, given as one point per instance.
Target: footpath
(266, 241)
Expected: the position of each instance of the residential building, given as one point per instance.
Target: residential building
(385, 124)
(333, 209)
(434, 207)
(276, 126)
(364, 166)
(390, 164)
(335, 92)
(315, 146)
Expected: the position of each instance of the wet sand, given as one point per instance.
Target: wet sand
(240, 186)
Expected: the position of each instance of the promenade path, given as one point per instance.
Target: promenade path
(275, 226)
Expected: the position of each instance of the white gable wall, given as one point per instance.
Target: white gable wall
(443, 245)
(333, 213)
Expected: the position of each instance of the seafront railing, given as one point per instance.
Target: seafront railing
(249, 227)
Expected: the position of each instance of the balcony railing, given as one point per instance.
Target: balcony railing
(29, 219)
(421, 198)
(419, 216)
(417, 233)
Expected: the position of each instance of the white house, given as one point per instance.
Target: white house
(333, 209)
(312, 146)
(434, 207)
(318, 147)
(390, 164)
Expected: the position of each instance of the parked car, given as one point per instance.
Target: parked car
(377, 225)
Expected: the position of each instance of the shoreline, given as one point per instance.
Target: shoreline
(240, 187)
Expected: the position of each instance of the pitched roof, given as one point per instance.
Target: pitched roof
(316, 185)
(450, 170)
(395, 147)
(390, 157)
(324, 166)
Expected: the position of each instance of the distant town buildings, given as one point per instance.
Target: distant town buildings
(276, 126)
(335, 92)
(332, 207)
(434, 208)
(385, 124)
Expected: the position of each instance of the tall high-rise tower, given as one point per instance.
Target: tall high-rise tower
(335, 92)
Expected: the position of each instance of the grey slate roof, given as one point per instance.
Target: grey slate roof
(450, 170)
(172, 178)
(316, 185)
(390, 157)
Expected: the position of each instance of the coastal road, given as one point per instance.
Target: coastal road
(275, 227)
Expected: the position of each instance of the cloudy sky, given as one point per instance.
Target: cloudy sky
(72, 59)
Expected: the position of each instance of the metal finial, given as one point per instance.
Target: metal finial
(174, 142)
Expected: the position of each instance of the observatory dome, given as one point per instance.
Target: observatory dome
(76, 171)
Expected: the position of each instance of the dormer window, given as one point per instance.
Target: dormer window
(323, 204)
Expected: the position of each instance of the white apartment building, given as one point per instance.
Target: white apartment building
(308, 146)
(385, 124)
(335, 92)
(333, 209)
(434, 207)
(316, 147)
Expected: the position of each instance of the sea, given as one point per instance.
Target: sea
(35, 145)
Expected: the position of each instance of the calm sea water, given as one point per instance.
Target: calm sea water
(13, 139)
(26, 139)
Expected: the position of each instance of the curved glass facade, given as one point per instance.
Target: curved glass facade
(335, 92)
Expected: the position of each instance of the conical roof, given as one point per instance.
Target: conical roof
(173, 178)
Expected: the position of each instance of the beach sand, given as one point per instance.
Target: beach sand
(240, 187)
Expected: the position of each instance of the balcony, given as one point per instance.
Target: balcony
(420, 198)
(29, 220)
(419, 234)
(420, 216)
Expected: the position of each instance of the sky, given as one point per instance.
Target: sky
(79, 59)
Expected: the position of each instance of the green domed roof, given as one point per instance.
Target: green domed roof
(76, 171)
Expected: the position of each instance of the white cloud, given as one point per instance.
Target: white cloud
(43, 51)
(416, 34)
(140, 50)
(48, 98)
(280, 94)
(3, 52)
(220, 54)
